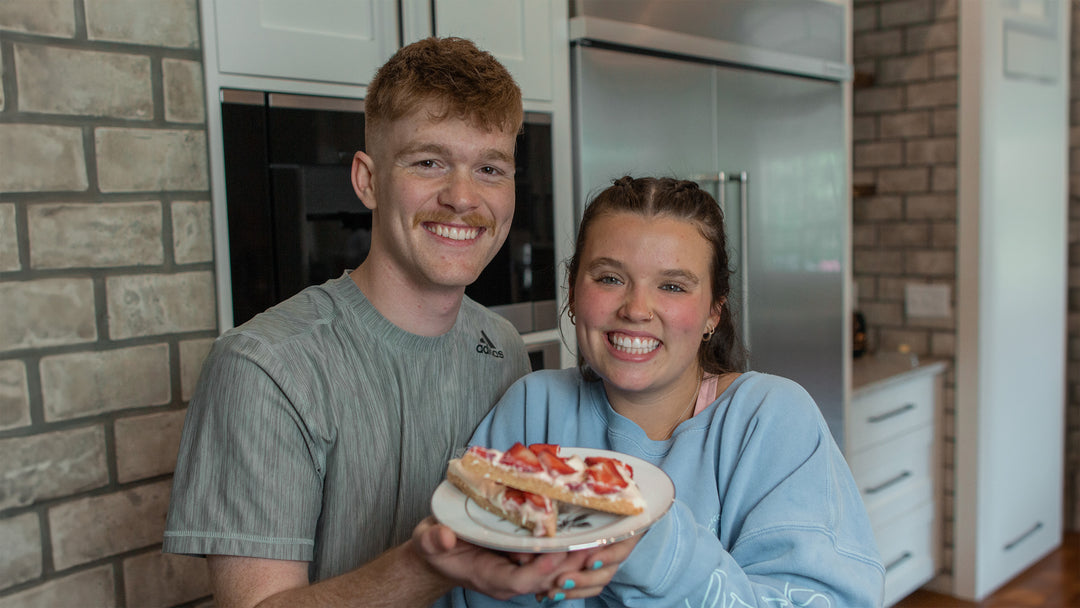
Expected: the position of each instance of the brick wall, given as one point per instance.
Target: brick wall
(904, 156)
(107, 293)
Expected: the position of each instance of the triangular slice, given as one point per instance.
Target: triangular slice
(531, 511)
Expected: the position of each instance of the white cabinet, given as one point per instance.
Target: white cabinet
(345, 41)
(893, 454)
(338, 41)
(517, 32)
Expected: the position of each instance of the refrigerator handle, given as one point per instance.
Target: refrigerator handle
(744, 249)
(719, 179)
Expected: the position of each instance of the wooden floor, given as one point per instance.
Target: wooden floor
(1054, 582)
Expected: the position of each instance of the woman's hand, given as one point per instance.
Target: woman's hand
(598, 567)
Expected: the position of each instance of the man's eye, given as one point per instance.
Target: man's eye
(427, 164)
(672, 288)
(608, 280)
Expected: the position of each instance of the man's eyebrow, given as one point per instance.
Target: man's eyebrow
(488, 155)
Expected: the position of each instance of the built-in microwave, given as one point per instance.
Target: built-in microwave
(294, 220)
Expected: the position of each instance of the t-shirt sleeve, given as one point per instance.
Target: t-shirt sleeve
(248, 477)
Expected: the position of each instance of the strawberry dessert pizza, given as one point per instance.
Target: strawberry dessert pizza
(523, 483)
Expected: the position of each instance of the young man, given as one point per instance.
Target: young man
(320, 428)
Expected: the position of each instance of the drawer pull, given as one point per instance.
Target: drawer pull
(907, 407)
(1011, 545)
(889, 483)
(896, 562)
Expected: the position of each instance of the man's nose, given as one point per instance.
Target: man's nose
(459, 192)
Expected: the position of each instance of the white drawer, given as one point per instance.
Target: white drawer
(890, 411)
(906, 547)
(897, 475)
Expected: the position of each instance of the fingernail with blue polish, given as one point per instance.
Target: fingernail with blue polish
(569, 584)
(560, 596)
(597, 565)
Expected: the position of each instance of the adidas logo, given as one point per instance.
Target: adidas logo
(486, 347)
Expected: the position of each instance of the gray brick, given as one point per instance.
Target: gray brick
(943, 344)
(51, 465)
(932, 94)
(864, 235)
(147, 445)
(57, 80)
(937, 35)
(944, 9)
(89, 383)
(878, 208)
(864, 128)
(931, 151)
(905, 125)
(169, 23)
(867, 288)
(184, 100)
(161, 579)
(192, 355)
(945, 64)
(94, 587)
(9, 239)
(878, 262)
(904, 69)
(906, 12)
(931, 263)
(45, 17)
(193, 236)
(99, 526)
(892, 289)
(883, 313)
(151, 305)
(14, 396)
(906, 234)
(878, 44)
(864, 18)
(879, 99)
(943, 235)
(877, 154)
(75, 235)
(931, 207)
(944, 121)
(46, 312)
(943, 179)
(134, 160)
(20, 536)
(896, 181)
(42, 158)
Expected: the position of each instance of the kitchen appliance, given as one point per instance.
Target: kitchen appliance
(748, 99)
(294, 220)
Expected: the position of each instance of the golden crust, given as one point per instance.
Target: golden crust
(549, 523)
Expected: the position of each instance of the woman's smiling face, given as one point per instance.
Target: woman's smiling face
(642, 300)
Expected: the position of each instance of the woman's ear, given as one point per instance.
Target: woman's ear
(363, 179)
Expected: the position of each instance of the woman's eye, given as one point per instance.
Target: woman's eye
(608, 280)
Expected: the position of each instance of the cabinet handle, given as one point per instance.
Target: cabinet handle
(1012, 544)
(889, 414)
(896, 562)
(891, 482)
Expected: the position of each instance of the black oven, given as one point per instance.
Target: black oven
(294, 220)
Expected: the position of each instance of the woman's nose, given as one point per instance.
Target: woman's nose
(637, 307)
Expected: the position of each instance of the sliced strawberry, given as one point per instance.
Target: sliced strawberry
(555, 465)
(604, 478)
(591, 460)
(539, 448)
(515, 495)
(537, 500)
(481, 452)
(519, 457)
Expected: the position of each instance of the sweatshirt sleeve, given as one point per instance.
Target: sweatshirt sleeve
(792, 530)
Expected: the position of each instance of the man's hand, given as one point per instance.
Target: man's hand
(499, 575)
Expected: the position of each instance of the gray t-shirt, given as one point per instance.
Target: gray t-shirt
(319, 429)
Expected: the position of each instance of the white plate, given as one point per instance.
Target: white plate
(579, 527)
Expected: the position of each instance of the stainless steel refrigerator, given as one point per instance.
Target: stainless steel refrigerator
(747, 98)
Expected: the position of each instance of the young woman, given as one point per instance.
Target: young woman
(766, 512)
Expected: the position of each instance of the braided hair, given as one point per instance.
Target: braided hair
(683, 200)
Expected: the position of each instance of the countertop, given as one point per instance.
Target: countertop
(872, 372)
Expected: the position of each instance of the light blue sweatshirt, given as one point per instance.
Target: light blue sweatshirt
(766, 511)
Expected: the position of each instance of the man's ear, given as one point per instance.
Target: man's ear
(363, 179)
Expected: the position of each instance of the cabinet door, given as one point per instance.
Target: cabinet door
(342, 41)
(517, 32)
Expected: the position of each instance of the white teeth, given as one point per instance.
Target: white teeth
(634, 346)
(453, 233)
